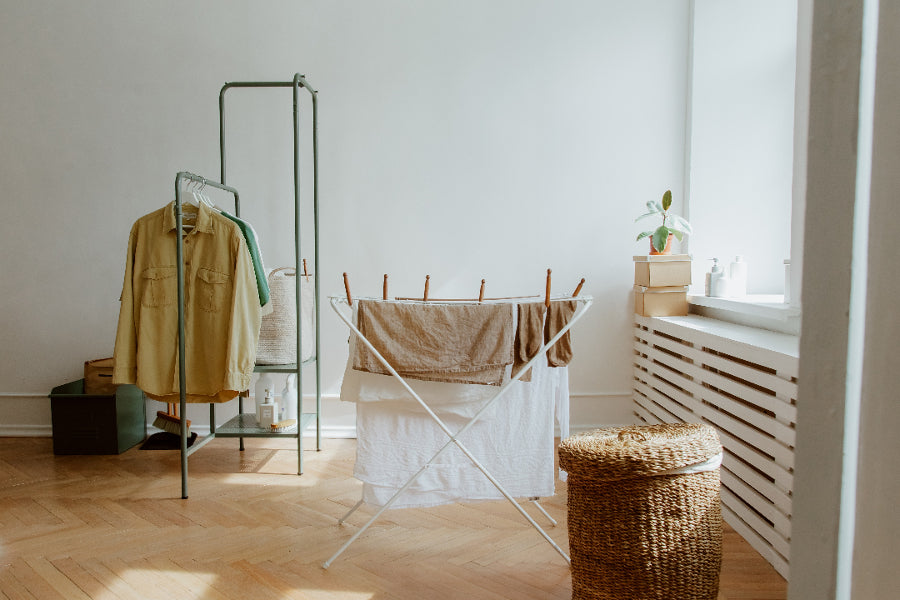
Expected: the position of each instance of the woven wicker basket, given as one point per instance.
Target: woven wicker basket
(634, 531)
(278, 330)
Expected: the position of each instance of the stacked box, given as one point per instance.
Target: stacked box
(660, 284)
(98, 377)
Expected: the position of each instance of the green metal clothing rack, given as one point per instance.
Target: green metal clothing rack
(245, 425)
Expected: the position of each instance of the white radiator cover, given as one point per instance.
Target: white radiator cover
(743, 382)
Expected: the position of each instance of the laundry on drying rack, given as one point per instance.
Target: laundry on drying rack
(558, 316)
(437, 342)
(514, 440)
(529, 335)
(422, 443)
(395, 435)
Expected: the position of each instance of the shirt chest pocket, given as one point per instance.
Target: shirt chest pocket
(212, 289)
(159, 286)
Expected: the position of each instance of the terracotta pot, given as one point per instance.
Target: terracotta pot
(666, 250)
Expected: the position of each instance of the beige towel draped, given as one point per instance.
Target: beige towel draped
(465, 343)
(558, 316)
(529, 335)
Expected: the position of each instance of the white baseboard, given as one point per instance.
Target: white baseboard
(27, 415)
(26, 431)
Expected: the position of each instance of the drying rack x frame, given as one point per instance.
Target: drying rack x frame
(299, 82)
(585, 302)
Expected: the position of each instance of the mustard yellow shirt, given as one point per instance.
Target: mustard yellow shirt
(221, 309)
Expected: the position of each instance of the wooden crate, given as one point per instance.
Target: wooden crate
(98, 376)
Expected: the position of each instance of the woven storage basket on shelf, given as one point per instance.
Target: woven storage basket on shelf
(278, 330)
(636, 531)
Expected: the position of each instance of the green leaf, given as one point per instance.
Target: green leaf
(645, 215)
(659, 239)
(678, 235)
(642, 235)
(667, 200)
(654, 207)
(682, 224)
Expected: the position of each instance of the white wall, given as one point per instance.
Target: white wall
(741, 147)
(464, 140)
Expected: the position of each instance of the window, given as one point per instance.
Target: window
(740, 149)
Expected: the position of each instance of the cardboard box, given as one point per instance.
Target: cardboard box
(661, 301)
(665, 270)
(96, 423)
(98, 377)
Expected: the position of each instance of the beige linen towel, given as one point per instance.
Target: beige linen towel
(558, 316)
(455, 343)
(529, 335)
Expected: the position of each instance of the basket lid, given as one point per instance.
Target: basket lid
(615, 453)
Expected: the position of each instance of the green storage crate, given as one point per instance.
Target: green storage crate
(97, 423)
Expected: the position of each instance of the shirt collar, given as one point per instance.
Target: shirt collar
(204, 222)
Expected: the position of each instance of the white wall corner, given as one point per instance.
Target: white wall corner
(588, 411)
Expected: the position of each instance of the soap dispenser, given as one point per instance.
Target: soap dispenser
(712, 278)
(268, 411)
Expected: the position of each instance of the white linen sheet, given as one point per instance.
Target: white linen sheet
(513, 439)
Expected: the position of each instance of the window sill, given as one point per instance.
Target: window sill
(766, 312)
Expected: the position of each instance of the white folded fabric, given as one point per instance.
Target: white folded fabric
(513, 439)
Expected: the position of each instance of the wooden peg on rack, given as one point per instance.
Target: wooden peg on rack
(427, 281)
(547, 295)
(305, 273)
(347, 289)
(384, 288)
(481, 292)
(578, 289)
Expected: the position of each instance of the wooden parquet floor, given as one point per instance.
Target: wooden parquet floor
(115, 527)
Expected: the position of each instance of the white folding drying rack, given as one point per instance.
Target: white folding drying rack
(585, 303)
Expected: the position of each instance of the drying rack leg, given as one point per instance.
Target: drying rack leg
(383, 508)
(350, 512)
(545, 513)
(411, 480)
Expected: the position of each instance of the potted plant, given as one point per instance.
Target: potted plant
(672, 225)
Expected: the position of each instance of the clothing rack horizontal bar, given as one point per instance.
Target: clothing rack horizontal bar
(185, 175)
(270, 84)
